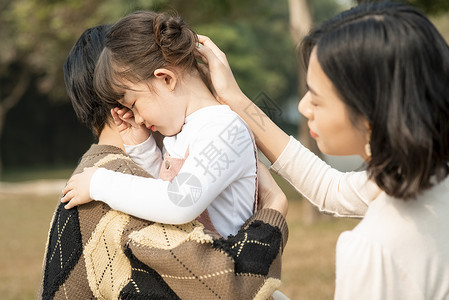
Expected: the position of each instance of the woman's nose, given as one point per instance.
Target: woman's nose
(304, 106)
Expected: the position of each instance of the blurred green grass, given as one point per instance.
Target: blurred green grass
(308, 261)
(24, 223)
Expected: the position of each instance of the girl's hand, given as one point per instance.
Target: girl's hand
(131, 132)
(270, 194)
(76, 191)
(225, 87)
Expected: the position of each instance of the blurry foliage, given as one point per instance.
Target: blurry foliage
(441, 21)
(37, 35)
(255, 36)
(430, 7)
(324, 9)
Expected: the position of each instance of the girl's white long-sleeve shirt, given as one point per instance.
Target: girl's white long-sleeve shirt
(400, 250)
(219, 174)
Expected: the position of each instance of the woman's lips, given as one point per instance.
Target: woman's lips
(313, 134)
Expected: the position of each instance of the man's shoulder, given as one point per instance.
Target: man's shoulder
(110, 157)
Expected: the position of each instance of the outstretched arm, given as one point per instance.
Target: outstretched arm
(332, 191)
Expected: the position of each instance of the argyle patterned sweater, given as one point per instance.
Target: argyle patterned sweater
(94, 252)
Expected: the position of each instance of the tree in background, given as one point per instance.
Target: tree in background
(303, 16)
(37, 36)
(429, 7)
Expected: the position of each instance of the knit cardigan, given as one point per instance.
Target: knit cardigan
(94, 252)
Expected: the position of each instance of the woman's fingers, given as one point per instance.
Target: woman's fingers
(209, 48)
(223, 83)
(210, 58)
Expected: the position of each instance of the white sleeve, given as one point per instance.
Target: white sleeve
(198, 183)
(338, 193)
(147, 155)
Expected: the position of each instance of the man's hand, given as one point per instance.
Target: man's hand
(270, 194)
(76, 191)
(131, 132)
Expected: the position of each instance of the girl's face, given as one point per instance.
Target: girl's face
(327, 116)
(157, 108)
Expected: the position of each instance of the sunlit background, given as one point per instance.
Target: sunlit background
(41, 140)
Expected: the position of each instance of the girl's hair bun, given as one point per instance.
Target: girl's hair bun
(175, 38)
(137, 45)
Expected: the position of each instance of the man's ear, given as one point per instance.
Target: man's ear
(168, 77)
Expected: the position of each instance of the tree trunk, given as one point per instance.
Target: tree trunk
(300, 24)
(9, 102)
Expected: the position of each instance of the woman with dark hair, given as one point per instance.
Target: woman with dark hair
(378, 79)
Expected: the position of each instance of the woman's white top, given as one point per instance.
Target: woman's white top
(400, 250)
(219, 174)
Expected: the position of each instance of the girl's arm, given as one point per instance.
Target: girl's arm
(147, 155)
(210, 168)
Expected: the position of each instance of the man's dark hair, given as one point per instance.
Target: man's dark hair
(79, 70)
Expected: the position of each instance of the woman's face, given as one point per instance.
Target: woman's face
(328, 118)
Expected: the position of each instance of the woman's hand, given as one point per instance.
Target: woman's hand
(270, 139)
(131, 132)
(270, 194)
(76, 191)
(225, 87)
